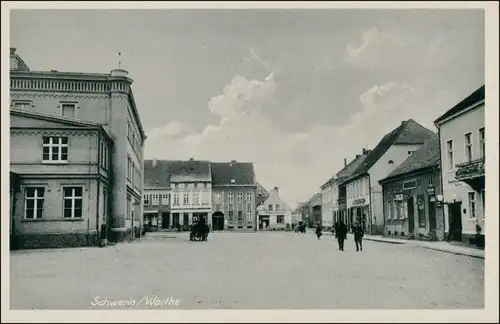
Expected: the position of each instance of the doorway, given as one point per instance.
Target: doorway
(165, 220)
(432, 215)
(455, 221)
(218, 221)
(411, 215)
(263, 222)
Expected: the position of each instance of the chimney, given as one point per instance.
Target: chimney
(233, 161)
(357, 156)
(12, 51)
(276, 189)
(154, 162)
(191, 159)
(364, 151)
(345, 162)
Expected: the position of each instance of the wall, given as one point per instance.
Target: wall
(424, 181)
(456, 129)
(381, 169)
(223, 192)
(326, 205)
(274, 199)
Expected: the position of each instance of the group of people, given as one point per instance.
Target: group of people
(340, 231)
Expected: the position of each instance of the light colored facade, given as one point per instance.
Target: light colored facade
(274, 213)
(63, 169)
(191, 192)
(104, 99)
(463, 146)
(327, 191)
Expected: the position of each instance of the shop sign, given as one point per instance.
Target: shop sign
(431, 191)
(359, 201)
(398, 197)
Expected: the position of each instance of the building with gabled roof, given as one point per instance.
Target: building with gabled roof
(410, 195)
(274, 213)
(363, 192)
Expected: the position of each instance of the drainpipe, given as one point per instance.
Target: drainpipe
(441, 183)
(383, 208)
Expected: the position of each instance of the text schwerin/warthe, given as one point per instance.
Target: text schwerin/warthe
(148, 301)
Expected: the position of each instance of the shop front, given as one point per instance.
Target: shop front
(358, 213)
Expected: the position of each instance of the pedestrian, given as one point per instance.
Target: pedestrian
(341, 234)
(318, 231)
(358, 236)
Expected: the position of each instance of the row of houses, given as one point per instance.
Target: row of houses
(69, 135)
(226, 194)
(414, 183)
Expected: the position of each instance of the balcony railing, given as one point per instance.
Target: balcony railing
(470, 169)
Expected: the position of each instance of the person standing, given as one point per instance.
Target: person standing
(341, 234)
(318, 231)
(358, 236)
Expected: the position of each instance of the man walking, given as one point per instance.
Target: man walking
(358, 236)
(341, 235)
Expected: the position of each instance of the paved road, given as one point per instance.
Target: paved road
(246, 271)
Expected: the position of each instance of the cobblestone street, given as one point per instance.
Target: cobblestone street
(246, 271)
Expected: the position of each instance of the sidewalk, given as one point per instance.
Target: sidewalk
(437, 246)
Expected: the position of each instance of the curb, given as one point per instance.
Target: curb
(454, 252)
(383, 241)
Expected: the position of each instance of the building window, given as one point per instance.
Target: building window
(230, 198)
(472, 205)
(240, 197)
(73, 202)
(468, 147)
(68, 109)
(409, 184)
(482, 143)
(146, 200)
(105, 204)
(230, 215)
(240, 216)
(33, 206)
(449, 150)
(419, 183)
(22, 104)
(205, 185)
(270, 207)
(104, 155)
(186, 199)
(277, 206)
(430, 181)
(249, 216)
(280, 219)
(129, 130)
(185, 220)
(218, 199)
(196, 198)
(155, 199)
(129, 208)
(55, 149)
(176, 199)
(410, 152)
(165, 199)
(389, 210)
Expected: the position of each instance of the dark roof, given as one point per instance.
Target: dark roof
(427, 155)
(159, 172)
(472, 99)
(348, 169)
(190, 170)
(409, 132)
(241, 172)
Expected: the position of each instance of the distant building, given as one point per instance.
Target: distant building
(233, 196)
(191, 192)
(66, 118)
(261, 194)
(410, 191)
(274, 213)
(314, 213)
(327, 191)
(363, 192)
(156, 196)
(463, 149)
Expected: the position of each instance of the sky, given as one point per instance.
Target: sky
(293, 91)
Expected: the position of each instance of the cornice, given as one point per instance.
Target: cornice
(66, 132)
(64, 96)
